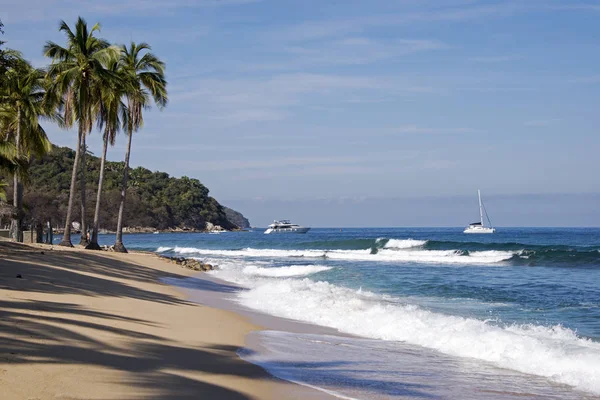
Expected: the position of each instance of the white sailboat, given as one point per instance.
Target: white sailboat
(479, 227)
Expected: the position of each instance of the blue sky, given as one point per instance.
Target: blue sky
(286, 107)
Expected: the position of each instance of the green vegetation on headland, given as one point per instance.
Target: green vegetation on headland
(89, 83)
(154, 199)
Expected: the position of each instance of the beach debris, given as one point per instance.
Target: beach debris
(189, 263)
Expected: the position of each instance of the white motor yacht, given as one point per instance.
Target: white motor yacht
(285, 226)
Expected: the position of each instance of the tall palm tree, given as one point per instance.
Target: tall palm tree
(8, 161)
(112, 114)
(22, 103)
(75, 69)
(145, 74)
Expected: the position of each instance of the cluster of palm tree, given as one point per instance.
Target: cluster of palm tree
(23, 102)
(88, 83)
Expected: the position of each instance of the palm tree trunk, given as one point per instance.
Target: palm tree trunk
(84, 230)
(119, 241)
(66, 240)
(17, 223)
(16, 228)
(94, 243)
(14, 223)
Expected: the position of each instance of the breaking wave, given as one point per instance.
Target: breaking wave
(417, 251)
(285, 272)
(554, 352)
(410, 254)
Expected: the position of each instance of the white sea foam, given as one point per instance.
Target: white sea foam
(162, 249)
(372, 367)
(554, 352)
(404, 243)
(250, 252)
(415, 255)
(285, 272)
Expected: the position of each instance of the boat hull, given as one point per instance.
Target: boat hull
(299, 229)
(479, 230)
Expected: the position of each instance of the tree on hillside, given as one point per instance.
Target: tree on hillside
(2, 32)
(22, 104)
(75, 70)
(111, 115)
(156, 201)
(145, 74)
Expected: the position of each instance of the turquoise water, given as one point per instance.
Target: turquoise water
(524, 300)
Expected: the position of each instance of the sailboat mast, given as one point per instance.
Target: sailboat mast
(480, 207)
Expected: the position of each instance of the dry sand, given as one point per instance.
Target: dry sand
(97, 325)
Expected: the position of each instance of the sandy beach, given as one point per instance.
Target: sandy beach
(96, 325)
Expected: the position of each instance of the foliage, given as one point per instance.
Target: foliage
(76, 71)
(154, 199)
(144, 75)
(77, 68)
(2, 32)
(23, 102)
(7, 57)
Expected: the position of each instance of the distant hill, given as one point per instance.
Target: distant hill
(154, 199)
(237, 218)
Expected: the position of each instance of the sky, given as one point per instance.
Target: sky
(362, 113)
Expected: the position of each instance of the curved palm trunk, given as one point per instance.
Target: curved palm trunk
(17, 222)
(84, 229)
(94, 242)
(119, 241)
(66, 240)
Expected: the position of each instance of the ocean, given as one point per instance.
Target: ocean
(416, 312)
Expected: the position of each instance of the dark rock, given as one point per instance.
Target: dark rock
(189, 263)
(19, 276)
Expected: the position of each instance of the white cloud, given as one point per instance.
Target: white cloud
(434, 12)
(250, 115)
(274, 98)
(39, 10)
(409, 129)
(494, 59)
(343, 51)
(591, 79)
(276, 162)
(542, 122)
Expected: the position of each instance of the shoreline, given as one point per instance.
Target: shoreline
(81, 324)
(214, 292)
(410, 365)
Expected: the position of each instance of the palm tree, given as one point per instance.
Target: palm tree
(75, 69)
(8, 161)
(112, 113)
(22, 103)
(145, 74)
